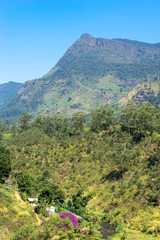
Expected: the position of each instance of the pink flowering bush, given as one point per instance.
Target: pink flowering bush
(71, 217)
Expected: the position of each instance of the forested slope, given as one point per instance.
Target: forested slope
(8, 91)
(107, 167)
(14, 213)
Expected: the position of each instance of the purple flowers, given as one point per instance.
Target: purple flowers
(72, 218)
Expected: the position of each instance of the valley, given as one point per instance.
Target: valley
(105, 168)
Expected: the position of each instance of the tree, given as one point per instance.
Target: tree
(14, 129)
(7, 124)
(24, 181)
(148, 118)
(24, 121)
(45, 196)
(59, 196)
(5, 164)
(2, 128)
(61, 125)
(129, 116)
(48, 125)
(78, 120)
(79, 202)
(102, 118)
(1, 136)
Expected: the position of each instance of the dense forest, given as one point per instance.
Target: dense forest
(99, 165)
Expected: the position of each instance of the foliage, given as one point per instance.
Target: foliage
(24, 181)
(14, 213)
(45, 196)
(24, 121)
(110, 172)
(79, 202)
(59, 196)
(101, 119)
(5, 164)
(71, 217)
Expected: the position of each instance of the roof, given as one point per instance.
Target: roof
(50, 209)
(32, 199)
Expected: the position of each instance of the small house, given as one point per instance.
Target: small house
(50, 209)
(32, 201)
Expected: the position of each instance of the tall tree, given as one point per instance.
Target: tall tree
(102, 118)
(45, 196)
(148, 118)
(24, 181)
(78, 121)
(24, 121)
(5, 164)
(129, 116)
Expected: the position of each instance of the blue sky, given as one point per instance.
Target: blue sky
(34, 34)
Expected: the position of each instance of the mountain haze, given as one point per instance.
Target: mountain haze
(8, 91)
(92, 72)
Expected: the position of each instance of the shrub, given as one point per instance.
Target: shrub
(71, 217)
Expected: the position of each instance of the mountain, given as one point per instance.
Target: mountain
(92, 72)
(144, 92)
(8, 91)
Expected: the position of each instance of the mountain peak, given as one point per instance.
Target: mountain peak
(86, 36)
(84, 44)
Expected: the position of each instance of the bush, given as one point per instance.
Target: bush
(63, 236)
(106, 218)
(71, 235)
(72, 219)
(26, 232)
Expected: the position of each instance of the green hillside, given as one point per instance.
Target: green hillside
(145, 92)
(18, 221)
(106, 168)
(14, 213)
(8, 91)
(93, 71)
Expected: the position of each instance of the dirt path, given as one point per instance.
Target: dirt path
(18, 196)
(38, 219)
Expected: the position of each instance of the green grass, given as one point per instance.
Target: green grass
(6, 136)
(13, 213)
(134, 235)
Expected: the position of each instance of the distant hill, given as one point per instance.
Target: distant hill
(144, 92)
(93, 71)
(8, 91)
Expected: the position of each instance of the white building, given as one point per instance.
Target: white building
(32, 201)
(51, 209)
